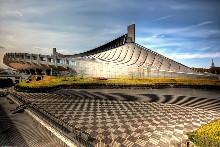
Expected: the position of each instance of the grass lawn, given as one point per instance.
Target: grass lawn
(52, 81)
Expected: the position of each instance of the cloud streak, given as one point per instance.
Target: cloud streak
(2, 48)
(162, 18)
(11, 13)
(194, 55)
(205, 23)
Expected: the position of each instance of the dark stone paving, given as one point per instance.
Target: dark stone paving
(20, 130)
(160, 122)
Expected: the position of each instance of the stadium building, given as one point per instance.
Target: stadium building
(121, 57)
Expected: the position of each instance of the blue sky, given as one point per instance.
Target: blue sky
(187, 31)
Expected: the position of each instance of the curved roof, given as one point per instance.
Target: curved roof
(110, 45)
(137, 56)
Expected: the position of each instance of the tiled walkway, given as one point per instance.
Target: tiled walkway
(129, 123)
(20, 130)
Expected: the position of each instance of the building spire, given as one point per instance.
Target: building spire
(213, 64)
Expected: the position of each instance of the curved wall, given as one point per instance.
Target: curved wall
(131, 60)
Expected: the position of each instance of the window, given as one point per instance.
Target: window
(50, 60)
(43, 58)
(72, 63)
(62, 61)
(34, 58)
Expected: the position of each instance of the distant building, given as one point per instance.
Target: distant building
(121, 57)
(213, 69)
(213, 64)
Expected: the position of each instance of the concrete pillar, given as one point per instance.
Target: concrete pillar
(47, 72)
(65, 61)
(32, 71)
(38, 71)
(31, 58)
(18, 57)
(27, 71)
(54, 51)
(47, 60)
(24, 57)
(51, 71)
(14, 55)
(131, 33)
(55, 61)
(38, 58)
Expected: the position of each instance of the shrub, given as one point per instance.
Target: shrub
(208, 135)
(100, 78)
(52, 81)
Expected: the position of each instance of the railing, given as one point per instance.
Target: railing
(35, 59)
(78, 136)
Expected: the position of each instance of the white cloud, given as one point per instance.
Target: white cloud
(205, 48)
(158, 42)
(193, 55)
(65, 52)
(158, 36)
(11, 13)
(40, 50)
(205, 23)
(187, 31)
(179, 40)
(161, 18)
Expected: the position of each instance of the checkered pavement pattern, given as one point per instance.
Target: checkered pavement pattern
(128, 95)
(124, 123)
(19, 130)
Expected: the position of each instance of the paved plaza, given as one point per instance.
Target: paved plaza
(22, 131)
(122, 118)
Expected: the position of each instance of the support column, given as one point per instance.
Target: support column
(32, 71)
(38, 58)
(51, 71)
(131, 33)
(47, 72)
(27, 71)
(55, 61)
(47, 60)
(24, 57)
(31, 58)
(38, 71)
(20, 79)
